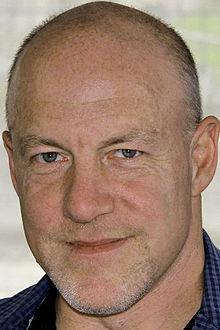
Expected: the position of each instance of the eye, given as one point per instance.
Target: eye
(127, 153)
(49, 157)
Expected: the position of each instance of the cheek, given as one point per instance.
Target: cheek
(40, 204)
(41, 214)
(160, 208)
(145, 198)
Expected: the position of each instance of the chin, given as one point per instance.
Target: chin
(102, 297)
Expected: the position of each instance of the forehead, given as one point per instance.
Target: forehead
(70, 69)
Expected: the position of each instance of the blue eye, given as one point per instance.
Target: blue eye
(48, 157)
(127, 153)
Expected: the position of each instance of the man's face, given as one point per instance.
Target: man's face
(102, 172)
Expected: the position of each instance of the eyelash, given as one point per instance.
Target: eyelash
(40, 157)
(131, 153)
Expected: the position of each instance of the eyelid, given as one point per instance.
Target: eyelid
(138, 153)
(39, 157)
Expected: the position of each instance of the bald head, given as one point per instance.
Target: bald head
(108, 26)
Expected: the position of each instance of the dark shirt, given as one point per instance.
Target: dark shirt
(191, 323)
(45, 316)
(18, 311)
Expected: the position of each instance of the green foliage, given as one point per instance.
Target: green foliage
(206, 25)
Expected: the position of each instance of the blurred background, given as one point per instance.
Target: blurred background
(198, 21)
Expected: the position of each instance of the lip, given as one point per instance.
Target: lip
(94, 247)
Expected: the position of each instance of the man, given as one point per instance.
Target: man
(109, 156)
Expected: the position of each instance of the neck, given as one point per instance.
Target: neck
(171, 303)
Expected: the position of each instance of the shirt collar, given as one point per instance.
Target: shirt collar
(208, 316)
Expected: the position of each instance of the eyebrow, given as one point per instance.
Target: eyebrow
(31, 141)
(132, 135)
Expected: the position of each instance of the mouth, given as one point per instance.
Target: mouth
(93, 247)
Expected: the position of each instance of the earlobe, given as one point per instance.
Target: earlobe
(6, 136)
(204, 151)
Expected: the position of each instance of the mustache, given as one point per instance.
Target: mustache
(71, 231)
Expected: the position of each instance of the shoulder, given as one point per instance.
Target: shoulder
(212, 260)
(16, 311)
(210, 308)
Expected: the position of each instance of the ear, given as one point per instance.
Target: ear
(204, 151)
(6, 136)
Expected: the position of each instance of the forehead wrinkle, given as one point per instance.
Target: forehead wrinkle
(101, 100)
(80, 111)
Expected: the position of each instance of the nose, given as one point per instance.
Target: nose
(87, 196)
